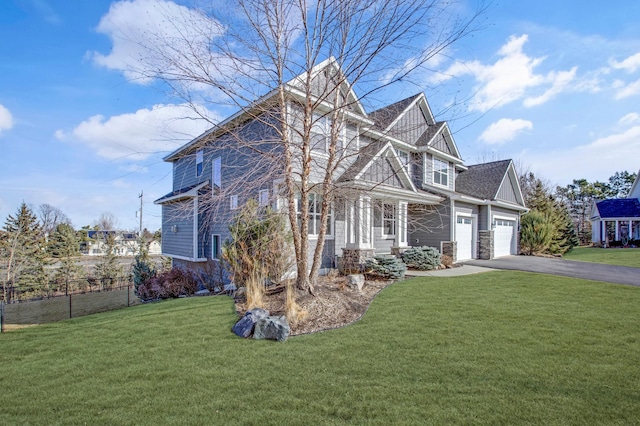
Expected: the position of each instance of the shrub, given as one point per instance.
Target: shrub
(536, 233)
(385, 267)
(421, 258)
(170, 284)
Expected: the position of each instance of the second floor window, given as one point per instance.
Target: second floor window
(233, 202)
(199, 159)
(216, 172)
(320, 132)
(440, 172)
(404, 156)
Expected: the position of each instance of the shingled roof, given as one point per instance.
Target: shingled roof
(428, 134)
(364, 157)
(384, 116)
(623, 207)
(482, 180)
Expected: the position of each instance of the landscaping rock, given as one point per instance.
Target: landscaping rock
(203, 292)
(356, 281)
(272, 328)
(245, 326)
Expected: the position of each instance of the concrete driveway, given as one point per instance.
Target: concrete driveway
(568, 268)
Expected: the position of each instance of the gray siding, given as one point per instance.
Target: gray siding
(440, 143)
(410, 126)
(483, 218)
(429, 227)
(180, 215)
(507, 191)
(381, 171)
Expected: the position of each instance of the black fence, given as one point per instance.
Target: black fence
(26, 293)
(30, 305)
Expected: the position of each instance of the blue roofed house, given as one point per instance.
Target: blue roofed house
(616, 222)
(402, 182)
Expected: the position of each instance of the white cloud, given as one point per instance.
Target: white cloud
(595, 161)
(626, 90)
(631, 118)
(504, 130)
(6, 119)
(630, 64)
(512, 77)
(136, 136)
(152, 36)
(559, 82)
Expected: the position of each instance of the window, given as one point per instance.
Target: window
(216, 172)
(403, 156)
(315, 213)
(464, 220)
(388, 219)
(215, 246)
(440, 172)
(199, 158)
(233, 202)
(263, 197)
(320, 132)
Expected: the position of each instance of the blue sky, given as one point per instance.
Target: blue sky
(552, 85)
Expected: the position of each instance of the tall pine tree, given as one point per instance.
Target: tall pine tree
(22, 252)
(64, 245)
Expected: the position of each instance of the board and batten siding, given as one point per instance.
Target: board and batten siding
(507, 192)
(410, 126)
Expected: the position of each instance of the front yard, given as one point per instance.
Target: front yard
(492, 348)
(609, 256)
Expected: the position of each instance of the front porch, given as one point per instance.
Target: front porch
(616, 232)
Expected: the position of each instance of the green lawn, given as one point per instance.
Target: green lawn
(610, 256)
(491, 348)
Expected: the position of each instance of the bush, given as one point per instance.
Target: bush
(422, 258)
(170, 284)
(385, 267)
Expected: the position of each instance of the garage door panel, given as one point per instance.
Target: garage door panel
(503, 237)
(464, 238)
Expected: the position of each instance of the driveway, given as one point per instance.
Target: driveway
(568, 268)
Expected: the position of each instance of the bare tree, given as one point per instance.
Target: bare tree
(261, 58)
(50, 217)
(106, 222)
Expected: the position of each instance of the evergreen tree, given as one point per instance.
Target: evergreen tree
(64, 245)
(107, 270)
(22, 251)
(143, 269)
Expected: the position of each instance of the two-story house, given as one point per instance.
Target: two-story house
(400, 182)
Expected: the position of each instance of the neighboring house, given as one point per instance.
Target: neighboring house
(127, 244)
(402, 183)
(616, 222)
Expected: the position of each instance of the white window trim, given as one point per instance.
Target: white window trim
(199, 162)
(263, 197)
(433, 173)
(216, 256)
(331, 223)
(394, 220)
(233, 202)
(216, 172)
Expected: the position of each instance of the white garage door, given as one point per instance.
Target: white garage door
(464, 238)
(503, 237)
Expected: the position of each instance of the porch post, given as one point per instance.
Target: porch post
(402, 224)
(617, 230)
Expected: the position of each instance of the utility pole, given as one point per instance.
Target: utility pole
(141, 193)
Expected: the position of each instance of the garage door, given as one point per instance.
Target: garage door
(464, 238)
(503, 237)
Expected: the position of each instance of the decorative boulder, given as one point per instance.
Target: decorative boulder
(203, 292)
(356, 281)
(272, 328)
(244, 327)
